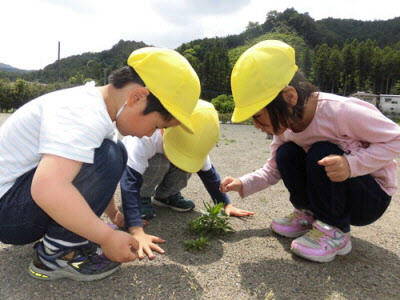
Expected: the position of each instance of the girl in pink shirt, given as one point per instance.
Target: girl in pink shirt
(335, 155)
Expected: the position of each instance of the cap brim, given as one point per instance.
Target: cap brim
(184, 120)
(241, 114)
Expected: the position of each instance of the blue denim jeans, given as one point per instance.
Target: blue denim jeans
(356, 201)
(23, 222)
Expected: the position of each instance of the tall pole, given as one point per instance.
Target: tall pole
(58, 72)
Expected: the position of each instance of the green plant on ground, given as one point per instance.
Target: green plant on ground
(198, 244)
(213, 221)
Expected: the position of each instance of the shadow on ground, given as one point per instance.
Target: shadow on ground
(130, 282)
(369, 272)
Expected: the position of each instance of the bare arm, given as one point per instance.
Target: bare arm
(114, 214)
(53, 191)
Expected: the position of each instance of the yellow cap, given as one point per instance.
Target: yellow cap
(258, 76)
(170, 77)
(189, 151)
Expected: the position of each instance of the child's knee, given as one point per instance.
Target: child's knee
(320, 150)
(111, 154)
(287, 152)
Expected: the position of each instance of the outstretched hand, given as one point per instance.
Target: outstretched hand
(147, 242)
(230, 184)
(230, 210)
(336, 167)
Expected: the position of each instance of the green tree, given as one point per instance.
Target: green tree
(191, 55)
(334, 68)
(377, 71)
(349, 69)
(364, 56)
(215, 72)
(5, 95)
(78, 79)
(20, 93)
(321, 70)
(390, 62)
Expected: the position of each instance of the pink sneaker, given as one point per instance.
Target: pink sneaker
(322, 243)
(294, 225)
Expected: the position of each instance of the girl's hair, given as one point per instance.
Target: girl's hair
(278, 109)
(121, 77)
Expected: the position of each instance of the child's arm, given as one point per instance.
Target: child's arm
(131, 183)
(212, 182)
(52, 189)
(114, 214)
(363, 123)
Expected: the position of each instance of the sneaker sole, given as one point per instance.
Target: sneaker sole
(322, 259)
(158, 203)
(59, 274)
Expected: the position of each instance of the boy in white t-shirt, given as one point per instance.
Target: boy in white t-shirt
(162, 164)
(60, 163)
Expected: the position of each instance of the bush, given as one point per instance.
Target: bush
(223, 104)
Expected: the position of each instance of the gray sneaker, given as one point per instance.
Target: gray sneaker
(175, 202)
(81, 264)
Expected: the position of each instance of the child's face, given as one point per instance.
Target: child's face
(262, 121)
(133, 122)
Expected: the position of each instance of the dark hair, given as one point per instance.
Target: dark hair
(154, 105)
(119, 78)
(278, 109)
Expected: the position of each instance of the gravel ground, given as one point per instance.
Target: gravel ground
(252, 263)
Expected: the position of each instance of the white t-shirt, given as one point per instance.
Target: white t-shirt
(70, 123)
(140, 150)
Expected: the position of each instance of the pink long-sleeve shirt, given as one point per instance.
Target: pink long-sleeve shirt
(371, 142)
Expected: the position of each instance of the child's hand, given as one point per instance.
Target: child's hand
(230, 210)
(336, 167)
(146, 242)
(120, 246)
(230, 184)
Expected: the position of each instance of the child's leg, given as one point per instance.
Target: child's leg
(358, 201)
(368, 200)
(168, 191)
(290, 160)
(22, 221)
(154, 174)
(97, 183)
(173, 182)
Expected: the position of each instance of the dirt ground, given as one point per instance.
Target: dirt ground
(252, 263)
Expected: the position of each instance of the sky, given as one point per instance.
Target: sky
(31, 29)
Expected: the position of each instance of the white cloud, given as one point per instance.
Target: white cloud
(31, 29)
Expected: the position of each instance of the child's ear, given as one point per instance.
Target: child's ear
(290, 95)
(137, 94)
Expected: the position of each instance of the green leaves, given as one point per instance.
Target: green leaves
(198, 244)
(212, 223)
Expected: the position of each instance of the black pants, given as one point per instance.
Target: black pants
(356, 201)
